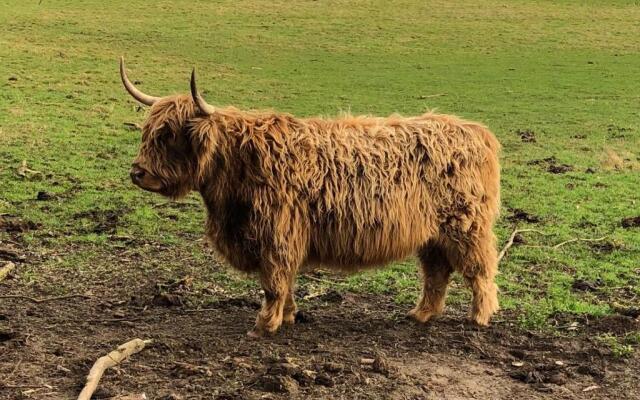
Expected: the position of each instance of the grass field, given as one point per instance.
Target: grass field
(566, 71)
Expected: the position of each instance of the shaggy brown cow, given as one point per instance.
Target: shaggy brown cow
(283, 193)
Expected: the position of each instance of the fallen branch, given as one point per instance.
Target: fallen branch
(37, 301)
(6, 269)
(509, 243)
(557, 246)
(114, 358)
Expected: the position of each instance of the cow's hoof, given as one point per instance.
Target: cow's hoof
(289, 319)
(255, 334)
(481, 320)
(421, 316)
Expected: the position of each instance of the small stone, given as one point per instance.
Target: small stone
(13, 78)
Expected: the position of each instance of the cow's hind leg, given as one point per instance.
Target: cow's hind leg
(436, 271)
(290, 308)
(479, 263)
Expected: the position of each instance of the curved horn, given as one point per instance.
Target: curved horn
(202, 105)
(133, 91)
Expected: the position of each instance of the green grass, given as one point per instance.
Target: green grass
(566, 70)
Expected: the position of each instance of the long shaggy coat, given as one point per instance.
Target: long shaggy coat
(347, 193)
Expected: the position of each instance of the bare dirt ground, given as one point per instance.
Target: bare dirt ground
(344, 346)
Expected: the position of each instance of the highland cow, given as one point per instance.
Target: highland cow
(284, 193)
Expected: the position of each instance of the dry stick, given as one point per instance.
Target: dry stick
(114, 358)
(34, 300)
(6, 269)
(557, 246)
(509, 243)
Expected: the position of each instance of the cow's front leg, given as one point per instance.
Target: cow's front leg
(275, 283)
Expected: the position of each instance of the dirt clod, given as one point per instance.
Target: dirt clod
(14, 224)
(283, 369)
(324, 380)
(558, 378)
(7, 335)
(526, 135)
(303, 317)
(552, 165)
(582, 285)
(559, 168)
(631, 222)
(531, 376)
(278, 384)
(332, 296)
(333, 367)
(167, 300)
(518, 215)
(381, 364)
(44, 196)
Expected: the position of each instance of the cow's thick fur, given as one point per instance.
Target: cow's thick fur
(347, 193)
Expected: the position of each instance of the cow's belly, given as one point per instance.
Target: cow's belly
(351, 249)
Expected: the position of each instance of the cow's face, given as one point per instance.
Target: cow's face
(166, 161)
(173, 157)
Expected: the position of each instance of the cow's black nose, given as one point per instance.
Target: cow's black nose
(136, 174)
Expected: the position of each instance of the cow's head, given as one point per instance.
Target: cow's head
(175, 152)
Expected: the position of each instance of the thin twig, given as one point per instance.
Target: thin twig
(197, 310)
(509, 243)
(34, 300)
(432, 95)
(557, 246)
(321, 280)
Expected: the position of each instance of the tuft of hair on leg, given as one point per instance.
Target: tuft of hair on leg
(290, 307)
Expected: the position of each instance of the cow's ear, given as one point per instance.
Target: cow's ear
(203, 142)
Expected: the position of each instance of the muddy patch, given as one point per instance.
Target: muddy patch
(361, 349)
(630, 222)
(526, 135)
(102, 221)
(552, 165)
(519, 215)
(16, 225)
